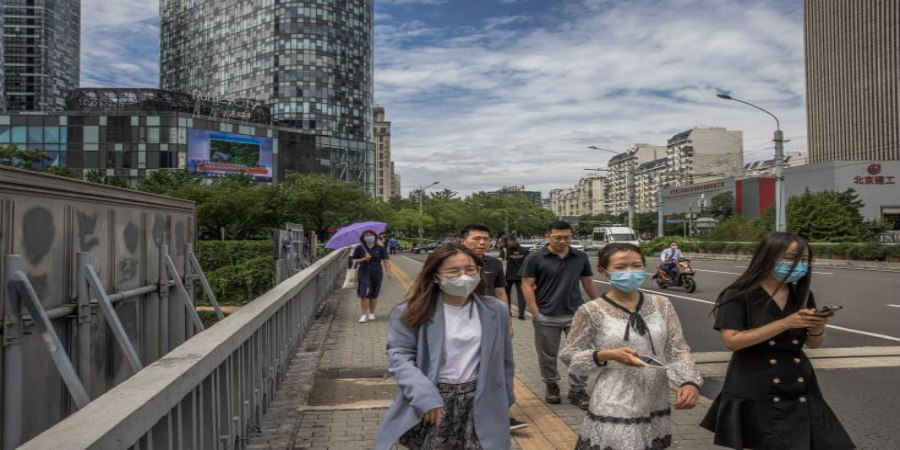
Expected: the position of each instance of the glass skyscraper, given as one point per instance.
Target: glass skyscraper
(309, 62)
(41, 44)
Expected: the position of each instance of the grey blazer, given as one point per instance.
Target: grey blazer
(414, 357)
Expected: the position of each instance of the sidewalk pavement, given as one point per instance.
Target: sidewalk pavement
(338, 387)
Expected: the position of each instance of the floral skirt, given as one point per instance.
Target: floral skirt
(457, 428)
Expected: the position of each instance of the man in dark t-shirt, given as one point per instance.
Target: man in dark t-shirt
(552, 279)
(477, 237)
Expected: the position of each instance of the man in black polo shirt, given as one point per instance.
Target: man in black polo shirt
(550, 282)
(477, 237)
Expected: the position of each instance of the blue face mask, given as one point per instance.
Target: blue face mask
(369, 239)
(783, 272)
(627, 280)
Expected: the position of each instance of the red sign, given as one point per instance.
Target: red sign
(874, 169)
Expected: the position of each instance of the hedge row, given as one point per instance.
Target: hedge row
(870, 251)
(238, 271)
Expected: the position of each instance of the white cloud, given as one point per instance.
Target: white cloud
(119, 43)
(498, 105)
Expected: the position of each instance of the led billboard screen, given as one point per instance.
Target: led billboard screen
(218, 154)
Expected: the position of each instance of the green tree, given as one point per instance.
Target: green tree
(321, 201)
(10, 155)
(61, 171)
(165, 181)
(828, 216)
(237, 207)
(721, 206)
(96, 176)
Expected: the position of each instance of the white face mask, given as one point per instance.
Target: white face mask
(460, 286)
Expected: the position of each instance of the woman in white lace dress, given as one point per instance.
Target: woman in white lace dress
(629, 406)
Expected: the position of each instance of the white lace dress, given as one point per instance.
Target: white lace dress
(629, 407)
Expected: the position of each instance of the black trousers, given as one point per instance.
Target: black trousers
(519, 296)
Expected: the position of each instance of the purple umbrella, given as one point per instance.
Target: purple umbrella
(350, 234)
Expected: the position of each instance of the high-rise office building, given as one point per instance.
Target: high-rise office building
(852, 79)
(41, 60)
(309, 62)
(384, 168)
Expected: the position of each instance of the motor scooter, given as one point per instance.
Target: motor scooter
(684, 279)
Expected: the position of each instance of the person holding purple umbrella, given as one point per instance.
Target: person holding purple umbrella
(372, 260)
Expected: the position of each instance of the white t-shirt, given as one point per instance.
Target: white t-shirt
(462, 344)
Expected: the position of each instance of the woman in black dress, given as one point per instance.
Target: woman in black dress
(771, 399)
(370, 258)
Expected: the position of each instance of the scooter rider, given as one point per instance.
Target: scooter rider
(669, 260)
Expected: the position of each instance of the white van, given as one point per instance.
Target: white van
(614, 233)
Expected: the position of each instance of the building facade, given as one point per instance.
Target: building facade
(132, 132)
(397, 182)
(702, 154)
(384, 167)
(622, 169)
(309, 62)
(649, 178)
(852, 80)
(767, 167)
(41, 53)
(588, 196)
(533, 196)
(877, 184)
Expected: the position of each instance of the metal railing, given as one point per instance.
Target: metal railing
(212, 391)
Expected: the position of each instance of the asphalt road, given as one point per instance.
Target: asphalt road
(865, 399)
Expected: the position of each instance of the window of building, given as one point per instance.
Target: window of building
(91, 134)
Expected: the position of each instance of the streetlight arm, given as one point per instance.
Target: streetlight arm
(777, 122)
(594, 147)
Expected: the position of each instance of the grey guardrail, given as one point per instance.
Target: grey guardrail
(211, 391)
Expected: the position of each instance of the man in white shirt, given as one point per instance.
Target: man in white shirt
(669, 260)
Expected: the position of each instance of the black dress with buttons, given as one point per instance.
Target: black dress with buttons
(771, 399)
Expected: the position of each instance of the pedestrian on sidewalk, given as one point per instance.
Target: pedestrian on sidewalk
(550, 282)
(394, 244)
(513, 255)
(450, 351)
(372, 260)
(629, 400)
(771, 399)
(476, 238)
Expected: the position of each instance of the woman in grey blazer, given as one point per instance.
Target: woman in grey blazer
(450, 351)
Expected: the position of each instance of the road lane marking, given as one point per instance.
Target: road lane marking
(836, 327)
(895, 306)
(716, 271)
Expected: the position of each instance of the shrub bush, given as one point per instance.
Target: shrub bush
(238, 271)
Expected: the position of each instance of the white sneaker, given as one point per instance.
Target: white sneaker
(362, 318)
(371, 317)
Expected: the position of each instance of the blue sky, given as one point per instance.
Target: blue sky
(485, 93)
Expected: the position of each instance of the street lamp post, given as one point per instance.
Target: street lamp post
(421, 213)
(780, 222)
(629, 187)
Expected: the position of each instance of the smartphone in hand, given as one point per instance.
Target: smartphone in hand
(828, 310)
(651, 362)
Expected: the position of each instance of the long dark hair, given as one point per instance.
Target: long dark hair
(767, 254)
(422, 297)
